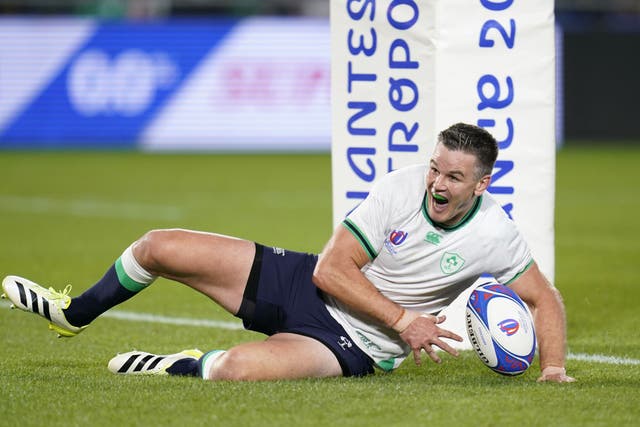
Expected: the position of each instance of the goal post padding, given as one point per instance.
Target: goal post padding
(403, 70)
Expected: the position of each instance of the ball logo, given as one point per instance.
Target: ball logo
(397, 237)
(509, 326)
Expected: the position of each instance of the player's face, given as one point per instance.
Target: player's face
(452, 185)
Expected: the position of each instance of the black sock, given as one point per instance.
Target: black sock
(106, 293)
(187, 367)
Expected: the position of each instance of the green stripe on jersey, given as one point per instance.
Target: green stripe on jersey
(387, 365)
(526, 267)
(127, 281)
(358, 234)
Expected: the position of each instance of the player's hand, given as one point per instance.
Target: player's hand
(423, 333)
(555, 374)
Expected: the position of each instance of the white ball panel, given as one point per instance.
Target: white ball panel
(481, 339)
(516, 335)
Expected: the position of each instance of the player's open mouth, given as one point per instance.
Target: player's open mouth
(439, 200)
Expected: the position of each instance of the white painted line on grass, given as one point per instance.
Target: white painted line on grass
(183, 321)
(133, 316)
(219, 324)
(88, 208)
(600, 358)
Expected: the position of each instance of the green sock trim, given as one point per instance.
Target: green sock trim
(203, 360)
(127, 281)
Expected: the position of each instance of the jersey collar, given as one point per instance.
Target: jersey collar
(465, 219)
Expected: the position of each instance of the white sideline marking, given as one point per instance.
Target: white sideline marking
(157, 318)
(183, 321)
(600, 358)
(88, 208)
(219, 324)
(133, 316)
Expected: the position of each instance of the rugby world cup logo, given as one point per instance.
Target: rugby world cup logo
(509, 326)
(397, 237)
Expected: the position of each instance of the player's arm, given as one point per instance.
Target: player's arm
(547, 308)
(338, 274)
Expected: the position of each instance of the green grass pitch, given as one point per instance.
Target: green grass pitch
(66, 216)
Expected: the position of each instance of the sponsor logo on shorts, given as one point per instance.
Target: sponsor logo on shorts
(279, 251)
(344, 343)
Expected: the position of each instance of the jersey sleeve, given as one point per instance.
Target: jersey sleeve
(513, 256)
(370, 220)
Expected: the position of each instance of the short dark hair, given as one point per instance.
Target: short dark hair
(472, 140)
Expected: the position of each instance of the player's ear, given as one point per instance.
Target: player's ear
(482, 185)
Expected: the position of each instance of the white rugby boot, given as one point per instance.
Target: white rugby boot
(143, 363)
(48, 303)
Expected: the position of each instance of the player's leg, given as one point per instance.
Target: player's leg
(281, 356)
(279, 296)
(215, 265)
(285, 299)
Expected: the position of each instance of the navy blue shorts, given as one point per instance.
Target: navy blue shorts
(280, 297)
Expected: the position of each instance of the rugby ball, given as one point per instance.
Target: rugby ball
(500, 329)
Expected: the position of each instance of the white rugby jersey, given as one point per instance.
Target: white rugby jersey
(419, 264)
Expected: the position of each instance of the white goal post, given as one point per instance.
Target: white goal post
(403, 70)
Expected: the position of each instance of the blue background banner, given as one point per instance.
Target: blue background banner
(114, 84)
(206, 84)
